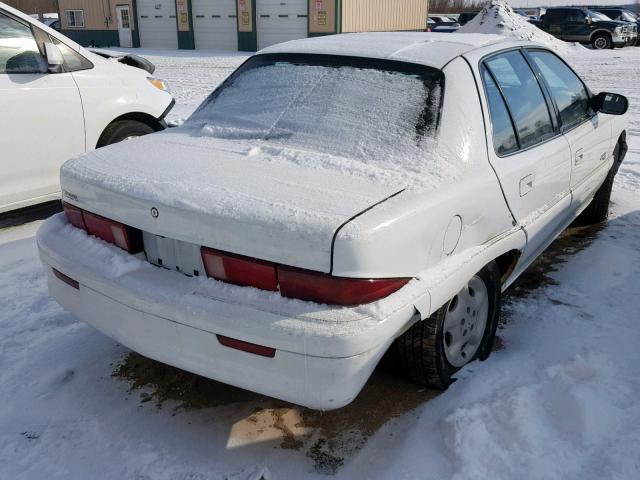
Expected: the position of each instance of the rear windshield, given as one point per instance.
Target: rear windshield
(372, 110)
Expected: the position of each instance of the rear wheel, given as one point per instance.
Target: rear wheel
(123, 130)
(601, 41)
(463, 330)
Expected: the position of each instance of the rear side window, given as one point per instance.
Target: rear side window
(504, 137)
(567, 90)
(554, 15)
(524, 97)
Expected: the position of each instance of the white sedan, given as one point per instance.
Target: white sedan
(60, 100)
(333, 198)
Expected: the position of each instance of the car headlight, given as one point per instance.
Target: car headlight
(159, 84)
(618, 30)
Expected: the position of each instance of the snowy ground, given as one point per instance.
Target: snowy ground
(557, 401)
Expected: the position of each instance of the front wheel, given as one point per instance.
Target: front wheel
(601, 41)
(463, 330)
(123, 130)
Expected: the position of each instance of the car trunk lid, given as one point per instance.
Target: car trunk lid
(236, 196)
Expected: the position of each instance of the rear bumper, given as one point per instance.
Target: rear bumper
(323, 356)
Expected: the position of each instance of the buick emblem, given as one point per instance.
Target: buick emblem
(154, 212)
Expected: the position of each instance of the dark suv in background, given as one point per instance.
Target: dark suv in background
(578, 24)
(622, 15)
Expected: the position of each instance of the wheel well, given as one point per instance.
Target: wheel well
(137, 116)
(622, 139)
(507, 263)
(600, 32)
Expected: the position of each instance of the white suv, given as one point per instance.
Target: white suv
(60, 100)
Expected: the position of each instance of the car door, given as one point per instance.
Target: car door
(41, 123)
(552, 21)
(587, 133)
(575, 27)
(530, 157)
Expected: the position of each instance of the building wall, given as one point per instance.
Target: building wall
(383, 15)
(33, 6)
(325, 17)
(100, 22)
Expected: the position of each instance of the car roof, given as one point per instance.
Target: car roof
(432, 49)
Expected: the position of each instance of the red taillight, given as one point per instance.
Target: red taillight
(247, 347)
(74, 215)
(297, 283)
(127, 238)
(322, 288)
(239, 270)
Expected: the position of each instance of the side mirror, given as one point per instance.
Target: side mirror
(610, 103)
(55, 60)
(588, 20)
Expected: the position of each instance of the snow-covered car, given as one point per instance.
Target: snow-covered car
(333, 198)
(60, 100)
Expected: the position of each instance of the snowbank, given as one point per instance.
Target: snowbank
(498, 17)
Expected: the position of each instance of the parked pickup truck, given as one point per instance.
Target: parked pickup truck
(577, 24)
(622, 15)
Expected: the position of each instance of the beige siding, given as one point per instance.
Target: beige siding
(98, 14)
(383, 15)
(33, 6)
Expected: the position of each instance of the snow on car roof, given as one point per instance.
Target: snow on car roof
(432, 49)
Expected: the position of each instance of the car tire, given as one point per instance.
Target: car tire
(123, 130)
(598, 210)
(601, 41)
(425, 352)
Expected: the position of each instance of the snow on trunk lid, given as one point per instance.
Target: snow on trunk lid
(244, 202)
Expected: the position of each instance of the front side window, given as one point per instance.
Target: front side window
(524, 97)
(75, 18)
(576, 16)
(565, 87)
(19, 51)
(504, 137)
(365, 109)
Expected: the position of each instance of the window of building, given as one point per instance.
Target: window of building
(75, 18)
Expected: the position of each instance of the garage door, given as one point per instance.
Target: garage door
(158, 24)
(281, 21)
(214, 24)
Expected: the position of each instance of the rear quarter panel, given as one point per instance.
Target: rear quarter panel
(462, 209)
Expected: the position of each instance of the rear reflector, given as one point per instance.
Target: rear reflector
(68, 280)
(127, 238)
(239, 270)
(74, 215)
(247, 347)
(322, 288)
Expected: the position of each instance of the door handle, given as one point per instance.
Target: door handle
(526, 184)
(579, 157)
